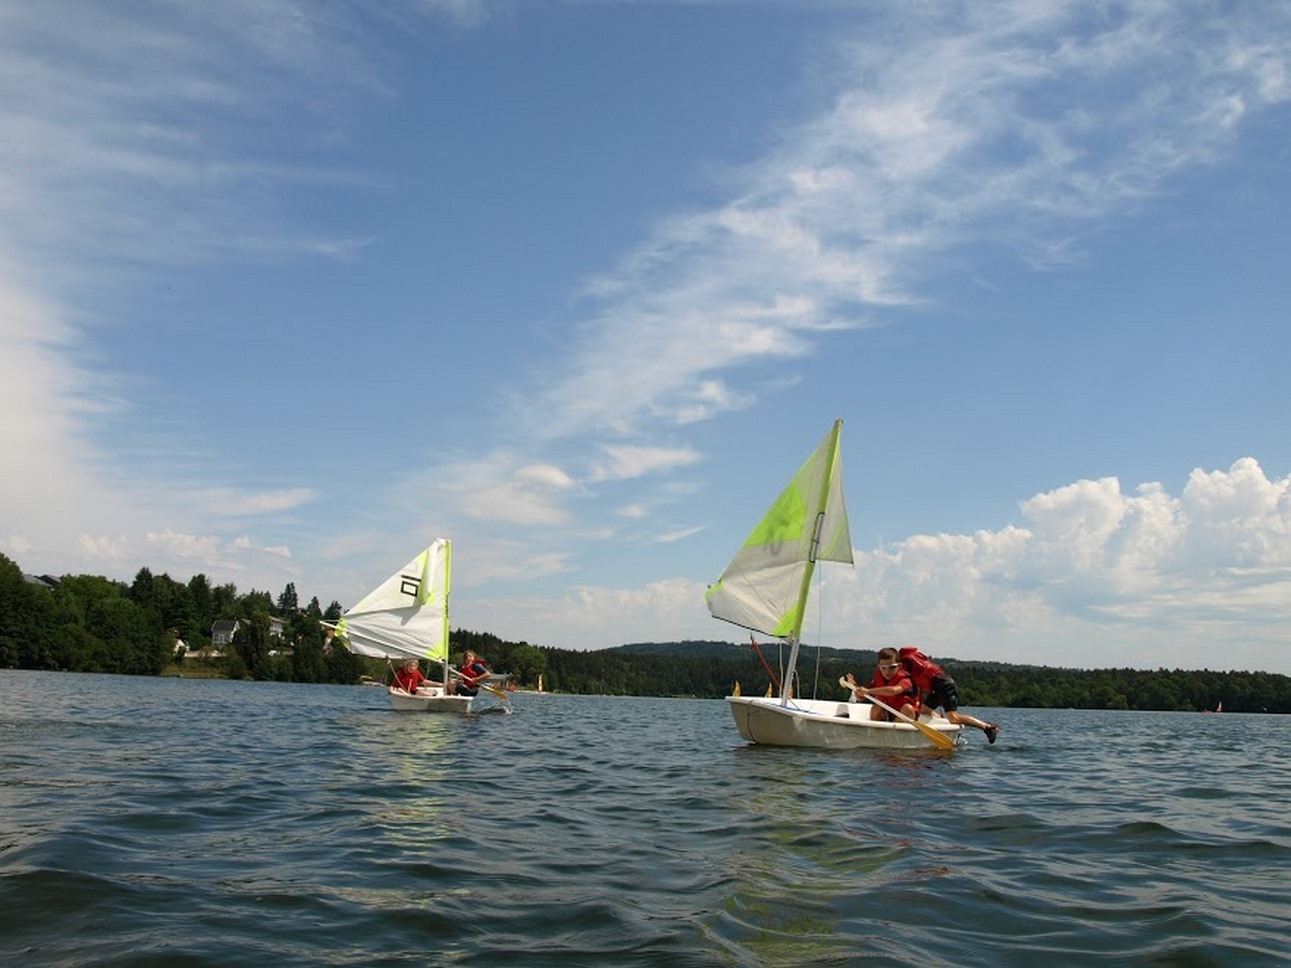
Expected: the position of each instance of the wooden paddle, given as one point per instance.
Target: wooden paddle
(492, 690)
(937, 737)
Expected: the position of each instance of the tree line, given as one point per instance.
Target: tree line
(712, 669)
(88, 623)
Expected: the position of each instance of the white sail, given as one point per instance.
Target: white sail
(765, 586)
(406, 616)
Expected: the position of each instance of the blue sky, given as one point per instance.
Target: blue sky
(288, 289)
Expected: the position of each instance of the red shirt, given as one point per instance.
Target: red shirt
(922, 669)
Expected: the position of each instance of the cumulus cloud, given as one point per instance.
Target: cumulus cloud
(1098, 566)
(1095, 575)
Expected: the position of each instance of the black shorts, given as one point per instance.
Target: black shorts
(466, 690)
(944, 694)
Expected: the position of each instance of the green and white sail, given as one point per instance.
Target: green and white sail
(406, 616)
(765, 586)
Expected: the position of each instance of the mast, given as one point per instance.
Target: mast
(448, 587)
(804, 589)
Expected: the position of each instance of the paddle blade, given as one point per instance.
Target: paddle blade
(936, 735)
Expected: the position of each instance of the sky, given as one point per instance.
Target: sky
(288, 289)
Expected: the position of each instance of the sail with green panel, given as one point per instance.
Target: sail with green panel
(406, 616)
(765, 586)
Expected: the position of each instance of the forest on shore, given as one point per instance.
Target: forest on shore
(158, 626)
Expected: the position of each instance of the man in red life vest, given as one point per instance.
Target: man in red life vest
(892, 685)
(931, 679)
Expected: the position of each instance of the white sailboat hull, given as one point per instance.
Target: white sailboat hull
(826, 724)
(429, 699)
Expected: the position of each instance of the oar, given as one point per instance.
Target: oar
(492, 690)
(935, 735)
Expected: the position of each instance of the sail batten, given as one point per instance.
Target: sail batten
(406, 616)
(765, 586)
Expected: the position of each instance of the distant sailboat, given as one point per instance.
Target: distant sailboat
(406, 617)
(765, 588)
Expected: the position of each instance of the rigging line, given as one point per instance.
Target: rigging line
(820, 585)
(766, 665)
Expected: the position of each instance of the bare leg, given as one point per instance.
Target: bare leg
(990, 729)
(963, 719)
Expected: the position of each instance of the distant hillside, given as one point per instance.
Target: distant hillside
(711, 649)
(732, 650)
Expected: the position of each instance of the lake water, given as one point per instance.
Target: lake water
(191, 822)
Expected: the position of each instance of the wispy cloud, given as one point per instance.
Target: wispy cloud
(1013, 123)
(128, 142)
(236, 504)
(624, 462)
(669, 537)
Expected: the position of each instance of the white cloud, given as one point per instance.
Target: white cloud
(591, 617)
(105, 547)
(669, 537)
(225, 501)
(525, 495)
(624, 462)
(1018, 123)
(1205, 576)
(1098, 576)
(186, 545)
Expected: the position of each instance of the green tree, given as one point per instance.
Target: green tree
(27, 621)
(288, 601)
(527, 663)
(251, 642)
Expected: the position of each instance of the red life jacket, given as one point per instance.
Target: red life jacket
(921, 668)
(898, 678)
(409, 680)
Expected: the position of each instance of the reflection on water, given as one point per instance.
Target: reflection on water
(215, 823)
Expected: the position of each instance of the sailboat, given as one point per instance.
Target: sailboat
(406, 617)
(765, 588)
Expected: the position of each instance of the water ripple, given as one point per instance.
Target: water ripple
(176, 822)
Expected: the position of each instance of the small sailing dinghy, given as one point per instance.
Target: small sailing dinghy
(406, 617)
(765, 588)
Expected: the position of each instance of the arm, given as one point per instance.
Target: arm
(884, 691)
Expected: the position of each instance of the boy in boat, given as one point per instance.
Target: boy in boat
(474, 671)
(892, 685)
(931, 680)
